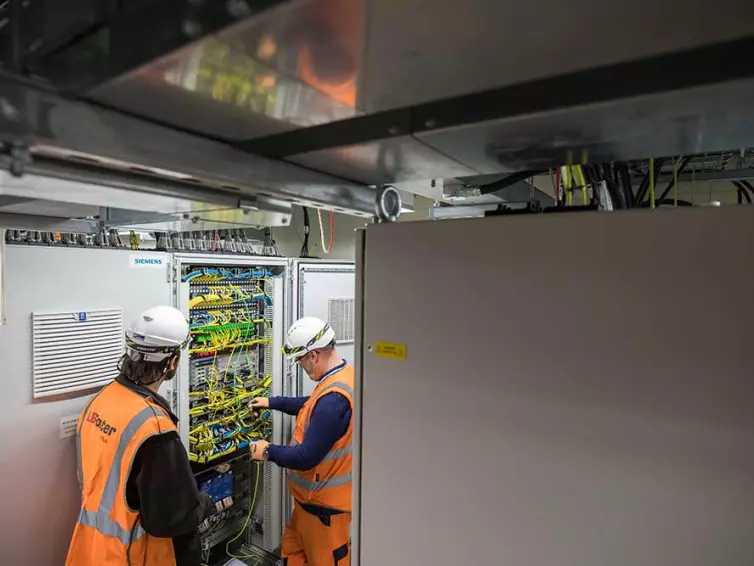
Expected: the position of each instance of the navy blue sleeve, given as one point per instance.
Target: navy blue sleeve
(287, 405)
(330, 419)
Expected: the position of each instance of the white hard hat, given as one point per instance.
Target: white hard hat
(307, 334)
(157, 334)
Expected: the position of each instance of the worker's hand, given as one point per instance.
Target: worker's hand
(257, 404)
(258, 450)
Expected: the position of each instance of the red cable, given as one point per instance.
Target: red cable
(214, 241)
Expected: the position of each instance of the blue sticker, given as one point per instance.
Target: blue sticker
(82, 317)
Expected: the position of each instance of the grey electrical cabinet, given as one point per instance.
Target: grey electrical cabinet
(59, 295)
(236, 307)
(559, 390)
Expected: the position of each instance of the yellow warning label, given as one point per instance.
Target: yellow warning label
(388, 350)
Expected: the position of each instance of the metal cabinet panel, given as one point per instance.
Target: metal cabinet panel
(560, 409)
(37, 465)
(315, 284)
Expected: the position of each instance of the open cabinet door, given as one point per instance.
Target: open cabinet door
(324, 289)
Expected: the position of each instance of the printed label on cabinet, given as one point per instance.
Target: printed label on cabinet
(389, 350)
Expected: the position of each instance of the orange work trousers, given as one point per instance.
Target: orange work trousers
(308, 541)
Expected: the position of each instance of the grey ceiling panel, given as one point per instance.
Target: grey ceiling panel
(675, 123)
(391, 160)
(425, 50)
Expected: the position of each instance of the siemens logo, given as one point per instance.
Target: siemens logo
(142, 262)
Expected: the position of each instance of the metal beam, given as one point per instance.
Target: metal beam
(47, 223)
(466, 211)
(689, 176)
(57, 127)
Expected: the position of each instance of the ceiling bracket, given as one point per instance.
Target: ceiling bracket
(388, 204)
(20, 157)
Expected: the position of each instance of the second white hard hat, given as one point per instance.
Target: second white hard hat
(307, 334)
(157, 334)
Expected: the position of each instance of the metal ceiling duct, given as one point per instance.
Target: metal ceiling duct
(107, 143)
(366, 90)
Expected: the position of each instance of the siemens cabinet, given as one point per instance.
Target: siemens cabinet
(236, 310)
(239, 308)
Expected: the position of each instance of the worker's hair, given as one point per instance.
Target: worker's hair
(330, 346)
(139, 371)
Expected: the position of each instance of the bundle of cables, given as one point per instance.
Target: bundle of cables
(228, 336)
(229, 424)
(214, 296)
(213, 275)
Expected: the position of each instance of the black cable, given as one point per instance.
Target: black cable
(598, 174)
(507, 181)
(748, 186)
(307, 228)
(642, 192)
(742, 192)
(613, 182)
(625, 178)
(590, 173)
(623, 190)
(684, 163)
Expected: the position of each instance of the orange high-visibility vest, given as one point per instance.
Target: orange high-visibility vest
(328, 484)
(110, 430)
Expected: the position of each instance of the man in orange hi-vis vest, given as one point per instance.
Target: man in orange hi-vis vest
(139, 500)
(319, 457)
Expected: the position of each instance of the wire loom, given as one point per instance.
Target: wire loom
(228, 326)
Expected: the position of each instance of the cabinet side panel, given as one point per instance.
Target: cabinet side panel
(576, 391)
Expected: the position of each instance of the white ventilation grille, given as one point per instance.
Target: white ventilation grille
(340, 317)
(74, 351)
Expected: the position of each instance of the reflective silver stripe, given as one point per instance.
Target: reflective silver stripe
(100, 519)
(304, 483)
(294, 442)
(109, 528)
(337, 454)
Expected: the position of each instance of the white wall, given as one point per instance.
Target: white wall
(290, 238)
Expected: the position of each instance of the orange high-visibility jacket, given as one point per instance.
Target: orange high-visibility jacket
(110, 430)
(328, 484)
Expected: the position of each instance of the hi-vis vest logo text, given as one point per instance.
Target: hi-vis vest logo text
(100, 423)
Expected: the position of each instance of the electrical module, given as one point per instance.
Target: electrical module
(230, 319)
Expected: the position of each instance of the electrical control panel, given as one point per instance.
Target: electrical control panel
(234, 489)
(235, 315)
